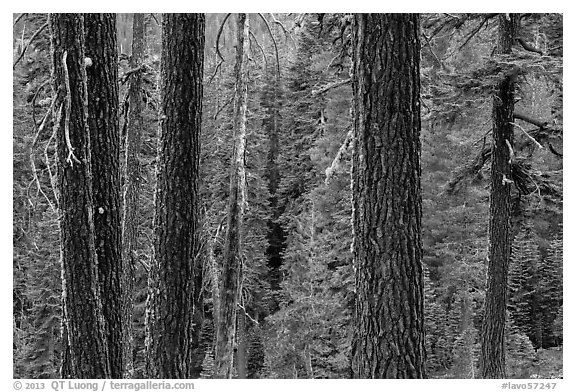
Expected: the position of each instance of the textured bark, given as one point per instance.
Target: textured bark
(492, 358)
(103, 124)
(86, 351)
(232, 264)
(172, 280)
(389, 315)
(131, 194)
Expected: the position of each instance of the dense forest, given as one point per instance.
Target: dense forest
(287, 195)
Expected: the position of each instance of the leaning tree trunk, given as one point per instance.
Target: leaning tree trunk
(85, 343)
(492, 359)
(389, 313)
(171, 285)
(103, 124)
(130, 221)
(232, 265)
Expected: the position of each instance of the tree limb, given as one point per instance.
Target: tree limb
(529, 47)
(332, 86)
(260, 47)
(218, 48)
(273, 41)
(18, 19)
(28, 44)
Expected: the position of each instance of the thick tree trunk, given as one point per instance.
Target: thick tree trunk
(86, 349)
(130, 221)
(232, 265)
(103, 124)
(492, 359)
(389, 314)
(169, 324)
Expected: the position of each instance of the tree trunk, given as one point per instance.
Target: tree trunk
(389, 314)
(103, 124)
(130, 221)
(492, 359)
(86, 350)
(169, 324)
(232, 264)
(242, 346)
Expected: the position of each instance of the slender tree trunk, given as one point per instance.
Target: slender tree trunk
(232, 266)
(169, 318)
(130, 221)
(86, 349)
(241, 353)
(389, 313)
(103, 124)
(492, 359)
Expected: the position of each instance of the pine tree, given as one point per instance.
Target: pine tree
(492, 360)
(85, 344)
(173, 276)
(103, 124)
(387, 199)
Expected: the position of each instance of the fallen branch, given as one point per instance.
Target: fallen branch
(286, 32)
(247, 315)
(28, 44)
(260, 47)
(226, 104)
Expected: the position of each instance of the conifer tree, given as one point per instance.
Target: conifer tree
(389, 315)
(173, 276)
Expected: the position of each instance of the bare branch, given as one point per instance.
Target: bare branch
(259, 46)
(246, 313)
(18, 19)
(28, 44)
(226, 104)
(332, 86)
(155, 20)
(218, 48)
(529, 47)
(44, 83)
(286, 32)
(432, 50)
(47, 159)
(273, 41)
(68, 109)
(330, 171)
(526, 133)
(530, 120)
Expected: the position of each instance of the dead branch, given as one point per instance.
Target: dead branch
(226, 104)
(155, 20)
(330, 171)
(526, 133)
(47, 159)
(34, 100)
(68, 109)
(18, 19)
(286, 32)
(432, 50)
(246, 313)
(131, 72)
(530, 120)
(28, 44)
(332, 86)
(273, 41)
(529, 47)
(260, 47)
(218, 48)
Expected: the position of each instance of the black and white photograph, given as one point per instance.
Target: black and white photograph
(287, 196)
